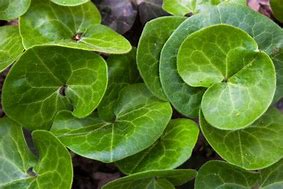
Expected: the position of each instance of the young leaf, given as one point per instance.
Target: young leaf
(165, 179)
(122, 71)
(255, 147)
(277, 9)
(149, 48)
(219, 174)
(19, 167)
(78, 27)
(172, 149)
(140, 120)
(46, 80)
(69, 2)
(10, 46)
(266, 33)
(11, 9)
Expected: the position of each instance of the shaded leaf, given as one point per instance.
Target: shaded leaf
(277, 9)
(11, 9)
(69, 2)
(46, 80)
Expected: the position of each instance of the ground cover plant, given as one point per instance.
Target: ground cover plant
(141, 94)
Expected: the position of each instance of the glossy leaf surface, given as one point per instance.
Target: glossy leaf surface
(77, 27)
(48, 79)
(69, 2)
(172, 149)
(21, 169)
(140, 120)
(11, 9)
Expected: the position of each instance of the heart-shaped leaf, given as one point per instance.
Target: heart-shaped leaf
(165, 179)
(21, 169)
(69, 2)
(10, 46)
(149, 48)
(122, 71)
(11, 9)
(139, 121)
(277, 9)
(255, 147)
(46, 80)
(266, 33)
(219, 174)
(172, 149)
(78, 27)
(241, 79)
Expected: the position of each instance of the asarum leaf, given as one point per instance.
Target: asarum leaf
(172, 149)
(219, 174)
(150, 44)
(21, 169)
(140, 120)
(11, 9)
(277, 9)
(46, 80)
(77, 27)
(267, 34)
(10, 46)
(69, 2)
(165, 179)
(240, 78)
(122, 71)
(255, 147)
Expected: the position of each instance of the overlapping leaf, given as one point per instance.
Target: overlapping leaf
(218, 174)
(69, 2)
(277, 9)
(11, 9)
(48, 79)
(10, 46)
(172, 149)
(166, 179)
(78, 27)
(151, 42)
(21, 169)
(139, 121)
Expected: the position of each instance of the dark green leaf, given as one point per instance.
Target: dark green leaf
(140, 120)
(69, 2)
(78, 27)
(153, 179)
(149, 48)
(48, 79)
(19, 167)
(172, 149)
(277, 9)
(11, 9)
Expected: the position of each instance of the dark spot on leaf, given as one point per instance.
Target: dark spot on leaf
(77, 36)
(225, 80)
(31, 172)
(279, 105)
(62, 90)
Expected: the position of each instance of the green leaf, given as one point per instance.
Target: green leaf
(46, 80)
(69, 2)
(172, 149)
(77, 27)
(149, 48)
(140, 120)
(266, 33)
(122, 71)
(21, 169)
(153, 179)
(255, 147)
(219, 174)
(10, 46)
(277, 9)
(11, 9)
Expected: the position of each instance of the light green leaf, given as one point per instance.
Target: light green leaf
(10, 46)
(46, 80)
(219, 174)
(266, 33)
(140, 120)
(78, 27)
(150, 44)
(255, 147)
(172, 149)
(19, 167)
(69, 2)
(11, 9)
(122, 71)
(153, 179)
(277, 9)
